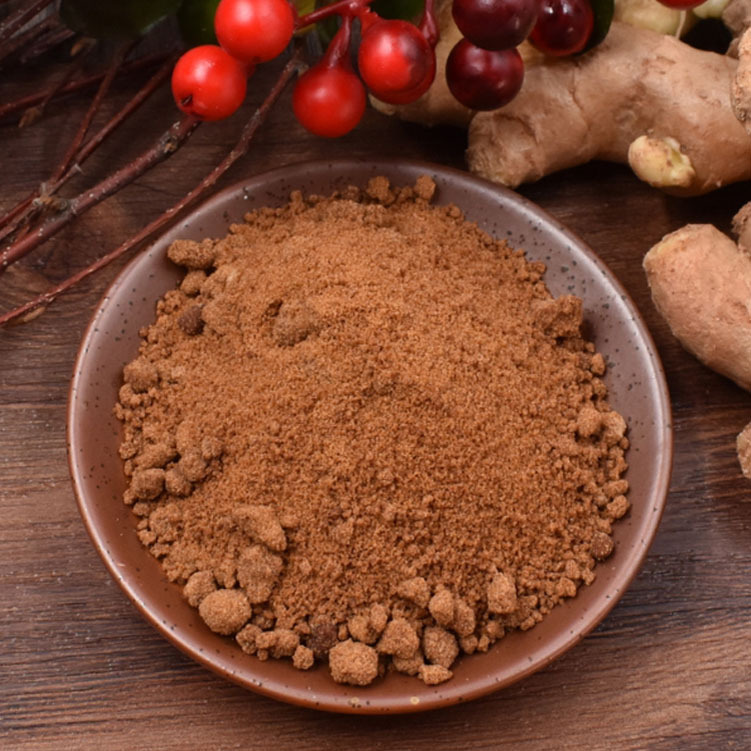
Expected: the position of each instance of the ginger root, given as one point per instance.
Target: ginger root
(701, 284)
(741, 84)
(701, 279)
(637, 83)
(648, 14)
(737, 18)
(660, 162)
(743, 445)
(640, 97)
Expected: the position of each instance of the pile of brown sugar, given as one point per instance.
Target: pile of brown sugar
(362, 431)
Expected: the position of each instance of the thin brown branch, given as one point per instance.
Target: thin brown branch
(115, 122)
(12, 220)
(28, 37)
(17, 20)
(96, 103)
(19, 105)
(31, 309)
(167, 144)
(19, 214)
(45, 44)
(32, 114)
(341, 7)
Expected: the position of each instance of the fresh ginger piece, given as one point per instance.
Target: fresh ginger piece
(744, 450)
(710, 8)
(660, 162)
(742, 228)
(741, 85)
(737, 17)
(648, 14)
(701, 284)
(594, 106)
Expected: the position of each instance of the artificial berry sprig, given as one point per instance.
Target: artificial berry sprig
(254, 31)
(396, 60)
(329, 99)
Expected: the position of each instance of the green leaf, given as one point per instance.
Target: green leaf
(304, 6)
(409, 10)
(196, 21)
(113, 19)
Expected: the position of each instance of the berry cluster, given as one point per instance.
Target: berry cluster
(396, 59)
(396, 62)
(484, 70)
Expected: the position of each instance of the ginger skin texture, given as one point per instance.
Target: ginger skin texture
(701, 279)
(701, 284)
(743, 444)
(741, 85)
(636, 83)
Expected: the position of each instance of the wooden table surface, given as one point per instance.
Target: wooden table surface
(670, 668)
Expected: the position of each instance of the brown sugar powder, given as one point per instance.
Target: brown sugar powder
(362, 431)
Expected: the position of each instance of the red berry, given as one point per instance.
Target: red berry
(329, 100)
(483, 79)
(209, 83)
(254, 31)
(395, 61)
(563, 26)
(495, 24)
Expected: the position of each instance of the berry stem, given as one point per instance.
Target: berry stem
(429, 24)
(343, 8)
(31, 309)
(337, 53)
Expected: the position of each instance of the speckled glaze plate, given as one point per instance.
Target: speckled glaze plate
(636, 386)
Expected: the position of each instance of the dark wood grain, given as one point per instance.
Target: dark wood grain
(670, 668)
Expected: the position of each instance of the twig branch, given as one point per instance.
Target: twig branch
(16, 20)
(45, 43)
(106, 130)
(19, 105)
(28, 37)
(32, 114)
(96, 102)
(167, 144)
(12, 219)
(32, 308)
(20, 213)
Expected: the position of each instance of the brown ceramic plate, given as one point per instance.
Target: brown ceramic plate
(637, 390)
